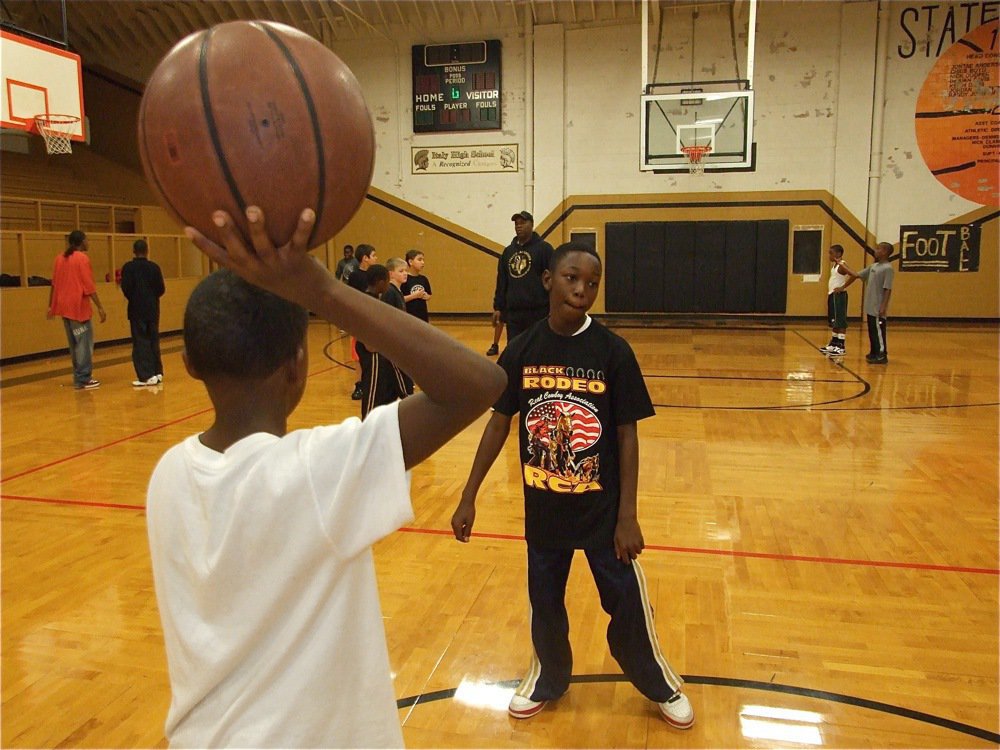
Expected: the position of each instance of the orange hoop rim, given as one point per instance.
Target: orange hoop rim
(50, 120)
(695, 153)
(56, 131)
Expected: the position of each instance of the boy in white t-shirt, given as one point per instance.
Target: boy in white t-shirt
(260, 539)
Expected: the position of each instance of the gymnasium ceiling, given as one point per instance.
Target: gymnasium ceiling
(128, 37)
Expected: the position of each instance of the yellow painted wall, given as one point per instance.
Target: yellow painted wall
(462, 270)
(25, 329)
(462, 275)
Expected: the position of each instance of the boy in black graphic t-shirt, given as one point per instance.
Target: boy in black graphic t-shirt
(579, 392)
(416, 288)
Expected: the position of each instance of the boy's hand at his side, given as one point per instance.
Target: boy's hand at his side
(628, 539)
(463, 519)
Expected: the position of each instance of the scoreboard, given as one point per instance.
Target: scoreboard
(456, 87)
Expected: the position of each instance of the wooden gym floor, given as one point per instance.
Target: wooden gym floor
(822, 551)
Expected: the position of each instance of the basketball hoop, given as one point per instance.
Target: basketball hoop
(56, 130)
(695, 155)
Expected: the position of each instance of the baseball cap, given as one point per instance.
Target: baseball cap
(523, 215)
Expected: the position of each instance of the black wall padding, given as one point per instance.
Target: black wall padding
(678, 266)
(772, 266)
(687, 266)
(710, 266)
(649, 252)
(741, 266)
(619, 241)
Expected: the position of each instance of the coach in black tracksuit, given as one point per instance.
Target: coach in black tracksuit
(520, 300)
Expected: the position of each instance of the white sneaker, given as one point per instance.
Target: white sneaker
(677, 711)
(159, 377)
(828, 349)
(143, 383)
(836, 351)
(524, 708)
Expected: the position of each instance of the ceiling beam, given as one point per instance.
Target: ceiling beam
(437, 13)
(385, 21)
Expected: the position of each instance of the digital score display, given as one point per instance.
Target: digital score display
(456, 87)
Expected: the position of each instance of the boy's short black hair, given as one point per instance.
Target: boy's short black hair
(411, 254)
(140, 247)
(377, 273)
(571, 247)
(236, 329)
(363, 251)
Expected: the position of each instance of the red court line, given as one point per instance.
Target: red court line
(765, 555)
(657, 547)
(127, 438)
(106, 445)
(56, 501)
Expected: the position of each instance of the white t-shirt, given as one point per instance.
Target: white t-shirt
(266, 585)
(837, 279)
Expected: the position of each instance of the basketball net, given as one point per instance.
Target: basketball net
(695, 156)
(56, 131)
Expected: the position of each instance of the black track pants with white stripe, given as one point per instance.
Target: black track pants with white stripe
(877, 336)
(631, 634)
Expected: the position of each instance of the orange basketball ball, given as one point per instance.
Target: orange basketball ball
(256, 113)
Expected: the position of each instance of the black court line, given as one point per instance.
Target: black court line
(772, 687)
(326, 353)
(865, 389)
(816, 405)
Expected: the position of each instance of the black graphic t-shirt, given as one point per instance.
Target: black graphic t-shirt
(572, 393)
(417, 283)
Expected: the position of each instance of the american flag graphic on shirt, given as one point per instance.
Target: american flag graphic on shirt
(586, 428)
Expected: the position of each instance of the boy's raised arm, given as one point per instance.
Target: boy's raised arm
(457, 385)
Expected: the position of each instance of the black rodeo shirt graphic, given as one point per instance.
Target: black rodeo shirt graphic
(563, 428)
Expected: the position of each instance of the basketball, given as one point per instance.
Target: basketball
(255, 113)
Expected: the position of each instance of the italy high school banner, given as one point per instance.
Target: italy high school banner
(500, 157)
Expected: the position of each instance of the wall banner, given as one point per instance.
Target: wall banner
(497, 157)
(957, 123)
(951, 248)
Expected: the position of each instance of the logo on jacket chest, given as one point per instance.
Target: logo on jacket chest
(519, 264)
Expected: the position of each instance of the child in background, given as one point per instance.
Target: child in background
(381, 381)
(841, 277)
(494, 349)
(878, 278)
(416, 288)
(260, 539)
(398, 274)
(579, 392)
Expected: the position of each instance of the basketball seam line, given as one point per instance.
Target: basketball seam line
(213, 132)
(313, 119)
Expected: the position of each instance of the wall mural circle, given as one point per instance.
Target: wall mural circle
(958, 117)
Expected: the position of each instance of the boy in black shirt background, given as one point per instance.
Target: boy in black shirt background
(416, 287)
(579, 392)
